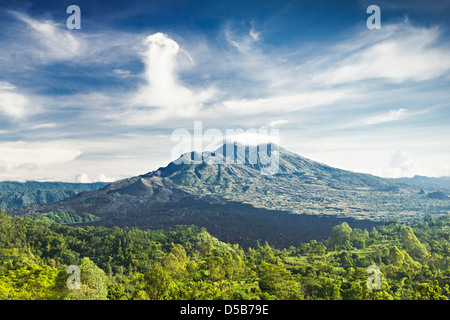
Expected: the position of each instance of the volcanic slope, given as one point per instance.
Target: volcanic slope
(284, 201)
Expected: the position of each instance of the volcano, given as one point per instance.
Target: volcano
(242, 194)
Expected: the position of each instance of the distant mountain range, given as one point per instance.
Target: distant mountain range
(429, 182)
(241, 197)
(14, 195)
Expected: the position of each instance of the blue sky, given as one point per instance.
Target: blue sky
(101, 103)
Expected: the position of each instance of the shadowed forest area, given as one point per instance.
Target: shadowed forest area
(188, 263)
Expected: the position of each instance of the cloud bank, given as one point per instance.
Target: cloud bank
(86, 89)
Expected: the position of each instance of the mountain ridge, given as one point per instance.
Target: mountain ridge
(240, 203)
(14, 194)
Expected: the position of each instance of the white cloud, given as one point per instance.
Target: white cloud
(395, 53)
(400, 165)
(242, 36)
(121, 72)
(254, 34)
(101, 177)
(163, 89)
(288, 102)
(277, 123)
(82, 178)
(37, 41)
(44, 126)
(29, 166)
(319, 94)
(392, 115)
(42, 153)
(6, 167)
(401, 160)
(6, 86)
(54, 41)
(34, 160)
(12, 103)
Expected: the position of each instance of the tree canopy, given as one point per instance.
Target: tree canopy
(188, 263)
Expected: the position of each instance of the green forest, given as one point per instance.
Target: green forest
(188, 263)
(15, 195)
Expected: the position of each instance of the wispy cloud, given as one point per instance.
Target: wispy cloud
(44, 126)
(121, 72)
(242, 36)
(285, 103)
(395, 53)
(12, 103)
(392, 115)
(147, 83)
(53, 42)
(42, 42)
(277, 123)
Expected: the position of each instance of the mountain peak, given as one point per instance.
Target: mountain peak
(263, 157)
(234, 159)
(223, 188)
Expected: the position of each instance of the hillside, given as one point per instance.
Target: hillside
(14, 195)
(239, 204)
(430, 183)
(300, 186)
(189, 264)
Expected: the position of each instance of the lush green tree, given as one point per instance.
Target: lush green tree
(430, 291)
(158, 283)
(116, 291)
(277, 282)
(35, 283)
(353, 290)
(396, 257)
(358, 238)
(412, 244)
(94, 283)
(340, 236)
(176, 261)
(188, 263)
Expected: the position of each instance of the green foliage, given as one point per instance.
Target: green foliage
(64, 217)
(430, 291)
(33, 283)
(188, 263)
(412, 244)
(276, 282)
(93, 283)
(158, 283)
(14, 195)
(340, 236)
